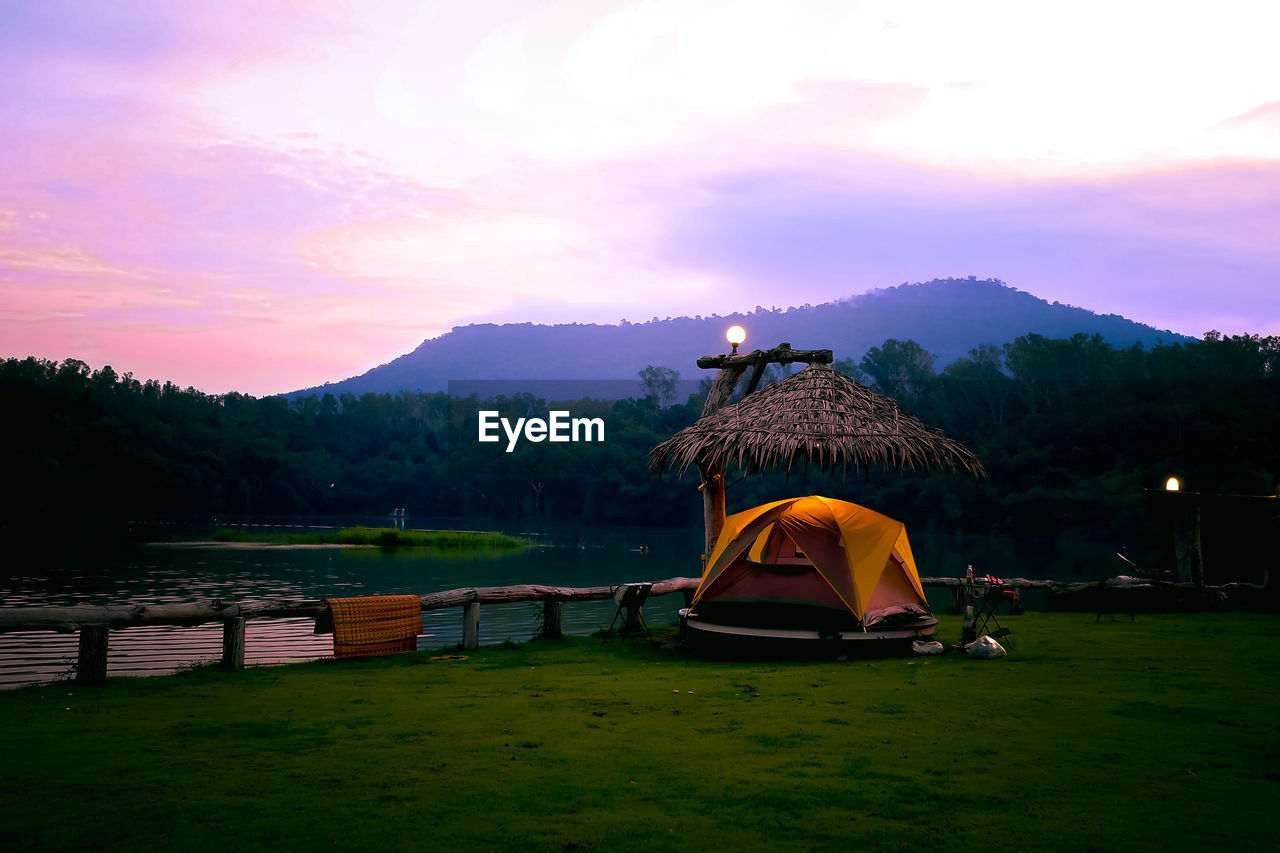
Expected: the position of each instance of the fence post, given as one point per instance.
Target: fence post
(91, 665)
(471, 625)
(233, 643)
(552, 619)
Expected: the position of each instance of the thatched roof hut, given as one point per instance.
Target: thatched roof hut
(817, 417)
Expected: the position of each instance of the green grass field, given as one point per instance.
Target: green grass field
(1158, 734)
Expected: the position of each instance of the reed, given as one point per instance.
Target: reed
(384, 537)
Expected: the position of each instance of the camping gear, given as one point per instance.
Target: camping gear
(985, 648)
(375, 625)
(813, 573)
(983, 607)
(629, 598)
(927, 647)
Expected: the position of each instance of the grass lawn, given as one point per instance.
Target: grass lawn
(1159, 734)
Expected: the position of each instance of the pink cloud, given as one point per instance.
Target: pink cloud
(1267, 114)
(226, 194)
(54, 261)
(250, 353)
(154, 261)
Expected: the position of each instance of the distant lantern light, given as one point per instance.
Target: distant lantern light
(735, 335)
(1172, 485)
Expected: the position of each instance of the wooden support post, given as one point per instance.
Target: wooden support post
(91, 665)
(552, 620)
(471, 625)
(757, 373)
(1187, 544)
(721, 389)
(713, 510)
(1181, 545)
(713, 471)
(731, 369)
(1195, 555)
(233, 643)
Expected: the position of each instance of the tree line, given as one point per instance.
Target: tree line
(1071, 432)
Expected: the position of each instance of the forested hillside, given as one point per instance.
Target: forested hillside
(1070, 431)
(948, 317)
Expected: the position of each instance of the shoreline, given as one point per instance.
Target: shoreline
(378, 537)
(247, 546)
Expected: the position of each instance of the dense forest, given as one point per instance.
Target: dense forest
(1071, 432)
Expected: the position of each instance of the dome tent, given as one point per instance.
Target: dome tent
(810, 568)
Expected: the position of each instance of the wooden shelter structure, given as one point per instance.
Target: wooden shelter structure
(1217, 538)
(816, 417)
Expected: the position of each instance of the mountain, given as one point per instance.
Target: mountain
(948, 317)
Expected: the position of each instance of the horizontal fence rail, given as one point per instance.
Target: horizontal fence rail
(93, 623)
(74, 618)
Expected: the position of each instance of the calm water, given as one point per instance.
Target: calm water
(572, 556)
(164, 574)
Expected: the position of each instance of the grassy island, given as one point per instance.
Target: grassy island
(385, 537)
(1157, 734)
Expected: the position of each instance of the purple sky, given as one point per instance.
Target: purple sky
(264, 196)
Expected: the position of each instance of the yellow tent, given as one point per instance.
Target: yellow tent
(791, 556)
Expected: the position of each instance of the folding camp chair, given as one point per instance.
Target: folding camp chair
(629, 597)
(985, 600)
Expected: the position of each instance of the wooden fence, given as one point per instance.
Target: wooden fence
(94, 623)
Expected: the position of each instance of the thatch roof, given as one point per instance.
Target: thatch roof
(817, 417)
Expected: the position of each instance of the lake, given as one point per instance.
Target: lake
(571, 555)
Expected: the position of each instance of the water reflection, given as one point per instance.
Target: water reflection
(174, 574)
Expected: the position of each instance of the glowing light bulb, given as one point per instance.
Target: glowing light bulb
(735, 335)
(1172, 485)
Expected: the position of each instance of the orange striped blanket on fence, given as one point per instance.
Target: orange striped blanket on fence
(375, 625)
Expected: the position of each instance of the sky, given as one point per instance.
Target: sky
(256, 196)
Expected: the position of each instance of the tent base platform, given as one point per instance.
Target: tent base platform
(714, 639)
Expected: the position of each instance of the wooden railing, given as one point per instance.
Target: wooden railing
(95, 622)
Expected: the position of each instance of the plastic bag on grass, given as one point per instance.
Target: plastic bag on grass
(927, 647)
(985, 648)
